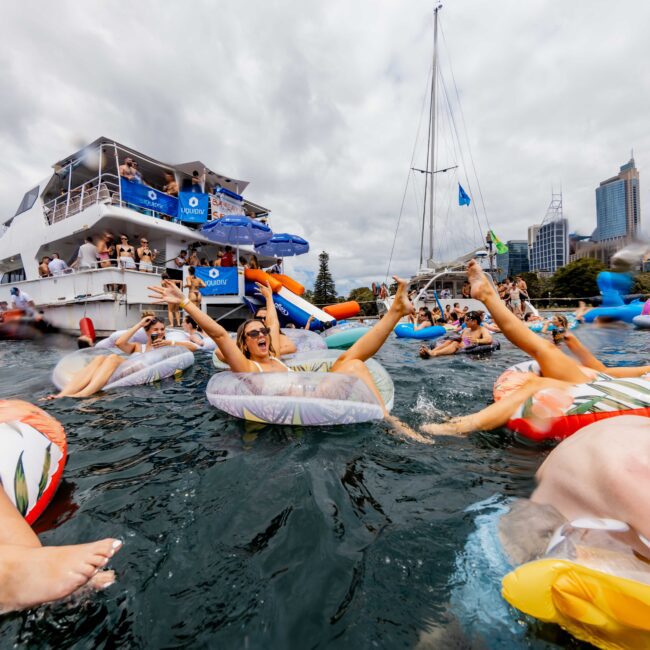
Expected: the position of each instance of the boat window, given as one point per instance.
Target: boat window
(28, 201)
(13, 276)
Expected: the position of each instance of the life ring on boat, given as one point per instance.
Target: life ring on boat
(408, 331)
(555, 414)
(308, 396)
(137, 369)
(33, 454)
(594, 581)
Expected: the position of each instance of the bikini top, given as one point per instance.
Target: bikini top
(128, 249)
(259, 367)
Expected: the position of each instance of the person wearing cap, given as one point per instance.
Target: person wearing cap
(22, 300)
(473, 334)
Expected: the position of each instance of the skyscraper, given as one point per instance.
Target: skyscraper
(532, 235)
(618, 212)
(551, 245)
(515, 261)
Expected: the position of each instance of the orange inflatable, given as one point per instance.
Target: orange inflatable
(343, 310)
(289, 283)
(33, 452)
(257, 275)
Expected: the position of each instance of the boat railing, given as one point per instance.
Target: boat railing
(101, 189)
(107, 265)
(96, 190)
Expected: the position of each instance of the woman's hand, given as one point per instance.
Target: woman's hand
(169, 293)
(265, 290)
(161, 343)
(145, 321)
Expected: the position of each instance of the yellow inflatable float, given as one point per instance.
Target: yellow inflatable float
(594, 582)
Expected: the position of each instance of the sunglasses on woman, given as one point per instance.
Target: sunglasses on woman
(254, 334)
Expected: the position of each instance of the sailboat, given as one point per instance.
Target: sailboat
(438, 284)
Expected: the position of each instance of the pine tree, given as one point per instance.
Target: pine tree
(324, 288)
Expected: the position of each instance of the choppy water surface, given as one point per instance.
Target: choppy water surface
(239, 535)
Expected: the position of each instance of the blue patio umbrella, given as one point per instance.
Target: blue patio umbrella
(283, 245)
(236, 230)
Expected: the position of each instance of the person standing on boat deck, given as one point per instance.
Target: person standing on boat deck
(57, 266)
(104, 246)
(137, 176)
(87, 256)
(44, 267)
(193, 259)
(127, 170)
(146, 256)
(126, 253)
(277, 267)
(173, 311)
(23, 301)
(515, 300)
(194, 284)
(171, 186)
(228, 258)
(217, 260)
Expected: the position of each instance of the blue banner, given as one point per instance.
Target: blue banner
(218, 281)
(193, 207)
(147, 197)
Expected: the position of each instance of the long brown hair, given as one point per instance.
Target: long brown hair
(241, 338)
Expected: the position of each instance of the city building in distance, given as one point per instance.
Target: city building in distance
(515, 261)
(550, 249)
(618, 215)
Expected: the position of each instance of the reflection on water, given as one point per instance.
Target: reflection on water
(246, 535)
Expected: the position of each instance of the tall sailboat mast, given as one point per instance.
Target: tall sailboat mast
(432, 133)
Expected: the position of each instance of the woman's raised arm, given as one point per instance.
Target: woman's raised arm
(123, 342)
(172, 295)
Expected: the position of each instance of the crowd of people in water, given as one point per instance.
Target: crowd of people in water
(570, 481)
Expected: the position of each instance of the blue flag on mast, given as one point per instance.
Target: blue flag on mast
(463, 196)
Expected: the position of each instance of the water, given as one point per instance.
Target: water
(246, 536)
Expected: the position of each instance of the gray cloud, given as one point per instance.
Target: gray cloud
(318, 104)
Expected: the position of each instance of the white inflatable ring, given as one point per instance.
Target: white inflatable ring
(138, 369)
(308, 396)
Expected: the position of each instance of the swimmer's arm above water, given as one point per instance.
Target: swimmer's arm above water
(172, 295)
(123, 341)
(271, 320)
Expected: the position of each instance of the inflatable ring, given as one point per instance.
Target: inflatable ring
(538, 326)
(554, 414)
(642, 322)
(138, 369)
(309, 396)
(593, 582)
(344, 335)
(34, 452)
(407, 331)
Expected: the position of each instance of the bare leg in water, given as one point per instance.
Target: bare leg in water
(558, 370)
(31, 574)
(92, 378)
(351, 362)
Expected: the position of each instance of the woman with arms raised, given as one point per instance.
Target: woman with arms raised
(257, 340)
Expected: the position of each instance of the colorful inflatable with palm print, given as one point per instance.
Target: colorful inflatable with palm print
(34, 452)
(554, 413)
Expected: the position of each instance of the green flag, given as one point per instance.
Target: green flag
(500, 246)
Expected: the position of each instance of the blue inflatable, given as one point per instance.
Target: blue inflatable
(538, 326)
(407, 331)
(344, 335)
(613, 286)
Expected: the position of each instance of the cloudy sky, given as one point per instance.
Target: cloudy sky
(318, 106)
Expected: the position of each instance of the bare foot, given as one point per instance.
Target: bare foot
(481, 287)
(47, 398)
(33, 576)
(405, 430)
(401, 303)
